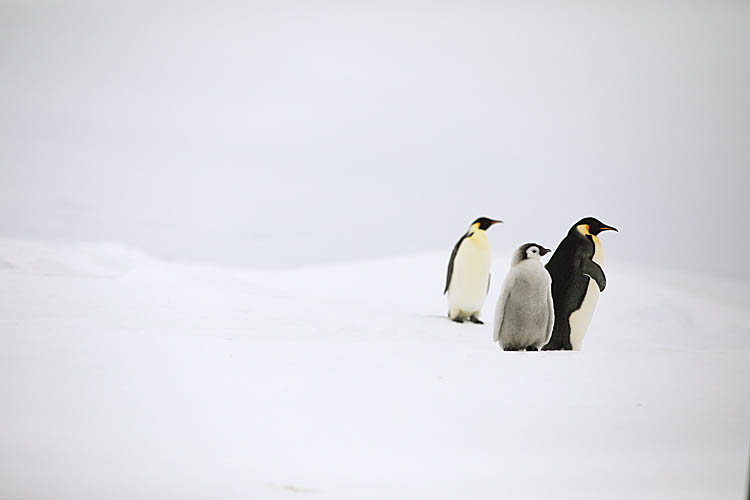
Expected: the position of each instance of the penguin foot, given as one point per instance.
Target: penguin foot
(549, 347)
(476, 320)
(532, 348)
(457, 320)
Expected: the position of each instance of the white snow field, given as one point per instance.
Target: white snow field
(124, 377)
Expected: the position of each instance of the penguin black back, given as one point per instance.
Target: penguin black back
(451, 262)
(571, 268)
(569, 285)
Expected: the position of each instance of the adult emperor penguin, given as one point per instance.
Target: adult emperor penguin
(577, 279)
(524, 314)
(468, 279)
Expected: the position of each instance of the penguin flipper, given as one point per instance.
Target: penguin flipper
(450, 264)
(595, 272)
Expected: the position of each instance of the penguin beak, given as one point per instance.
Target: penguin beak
(496, 222)
(544, 251)
(607, 228)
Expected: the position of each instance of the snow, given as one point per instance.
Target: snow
(124, 377)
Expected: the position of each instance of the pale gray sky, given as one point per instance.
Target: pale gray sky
(289, 133)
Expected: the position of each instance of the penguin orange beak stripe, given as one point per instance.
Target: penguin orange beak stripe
(605, 228)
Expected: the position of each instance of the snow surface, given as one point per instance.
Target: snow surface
(126, 377)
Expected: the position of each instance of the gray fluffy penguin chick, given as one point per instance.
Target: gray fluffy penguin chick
(524, 314)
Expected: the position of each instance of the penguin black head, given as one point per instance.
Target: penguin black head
(533, 251)
(484, 223)
(591, 225)
(529, 251)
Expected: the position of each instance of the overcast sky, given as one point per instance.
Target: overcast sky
(290, 133)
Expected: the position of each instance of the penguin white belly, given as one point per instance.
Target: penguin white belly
(471, 270)
(580, 319)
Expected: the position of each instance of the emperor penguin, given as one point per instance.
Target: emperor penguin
(468, 279)
(524, 313)
(577, 280)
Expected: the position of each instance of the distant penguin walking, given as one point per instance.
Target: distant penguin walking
(524, 313)
(468, 279)
(577, 280)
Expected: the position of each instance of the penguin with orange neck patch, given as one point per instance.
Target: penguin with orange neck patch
(468, 279)
(577, 280)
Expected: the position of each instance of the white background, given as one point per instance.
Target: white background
(289, 133)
